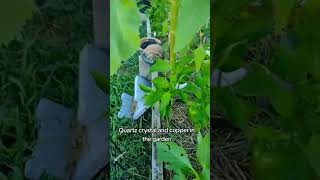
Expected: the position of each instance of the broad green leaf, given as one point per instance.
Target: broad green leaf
(236, 110)
(160, 66)
(194, 89)
(198, 115)
(307, 36)
(208, 109)
(175, 156)
(269, 134)
(179, 176)
(124, 32)
(192, 17)
(205, 174)
(164, 103)
(145, 88)
(221, 11)
(225, 54)
(13, 15)
(286, 161)
(101, 81)
(261, 82)
(251, 23)
(312, 151)
(184, 96)
(203, 152)
(199, 55)
(153, 97)
(161, 83)
(282, 12)
(182, 62)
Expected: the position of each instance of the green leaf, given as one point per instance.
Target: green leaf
(160, 66)
(267, 134)
(208, 109)
(145, 88)
(312, 151)
(179, 176)
(13, 15)
(164, 103)
(161, 83)
(153, 97)
(235, 110)
(250, 22)
(285, 161)
(176, 157)
(101, 81)
(124, 32)
(184, 96)
(199, 55)
(205, 174)
(192, 17)
(203, 151)
(261, 82)
(194, 89)
(282, 11)
(181, 64)
(226, 53)
(198, 115)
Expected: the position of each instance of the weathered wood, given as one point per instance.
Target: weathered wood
(101, 9)
(157, 167)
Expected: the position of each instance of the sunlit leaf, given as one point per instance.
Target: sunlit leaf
(203, 152)
(175, 156)
(124, 33)
(199, 55)
(145, 88)
(164, 103)
(161, 83)
(153, 97)
(192, 16)
(160, 66)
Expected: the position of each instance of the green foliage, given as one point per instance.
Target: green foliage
(178, 160)
(199, 56)
(176, 156)
(282, 12)
(287, 80)
(13, 17)
(192, 17)
(160, 66)
(203, 153)
(124, 33)
(158, 13)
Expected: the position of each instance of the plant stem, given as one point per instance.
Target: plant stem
(173, 26)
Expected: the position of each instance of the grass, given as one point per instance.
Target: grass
(132, 154)
(42, 61)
